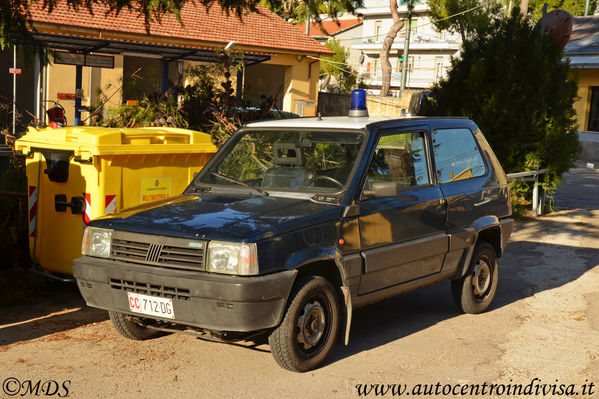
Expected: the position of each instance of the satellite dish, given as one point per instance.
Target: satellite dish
(558, 25)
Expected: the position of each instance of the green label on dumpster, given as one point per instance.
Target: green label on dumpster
(156, 188)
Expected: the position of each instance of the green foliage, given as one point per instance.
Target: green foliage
(574, 7)
(466, 23)
(300, 10)
(147, 113)
(345, 76)
(513, 83)
(207, 104)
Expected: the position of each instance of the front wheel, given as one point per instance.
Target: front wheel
(474, 292)
(131, 327)
(307, 333)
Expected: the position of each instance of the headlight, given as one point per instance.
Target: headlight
(96, 242)
(232, 258)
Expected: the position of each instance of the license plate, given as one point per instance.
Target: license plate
(151, 305)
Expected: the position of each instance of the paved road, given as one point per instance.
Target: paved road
(580, 189)
(544, 324)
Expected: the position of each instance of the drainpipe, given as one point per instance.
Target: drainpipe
(310, 78)
(37, 86)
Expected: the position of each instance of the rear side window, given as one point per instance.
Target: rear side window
(399, 158)
(457, 155)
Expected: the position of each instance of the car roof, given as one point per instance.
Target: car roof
(336, 122)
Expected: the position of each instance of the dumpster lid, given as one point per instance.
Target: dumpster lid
(91, 140)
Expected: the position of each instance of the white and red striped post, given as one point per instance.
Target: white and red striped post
(33, 198)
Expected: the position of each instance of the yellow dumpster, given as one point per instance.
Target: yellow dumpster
(76, 174)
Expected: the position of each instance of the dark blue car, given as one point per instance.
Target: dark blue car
(294, 223)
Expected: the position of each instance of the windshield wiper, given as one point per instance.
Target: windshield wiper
(234, 180)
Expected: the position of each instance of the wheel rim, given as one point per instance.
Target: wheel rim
(481, 280)
(313, 326)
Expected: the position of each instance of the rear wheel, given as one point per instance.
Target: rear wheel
(132, 327)
(474, 292)
(307, 333)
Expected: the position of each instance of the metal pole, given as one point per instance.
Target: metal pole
(37, 86)
(406, 48)
(586, 8)
(239, 91)
(165, 71)
(308, 25)
(78, 84)
(535, 197)
(14, 92)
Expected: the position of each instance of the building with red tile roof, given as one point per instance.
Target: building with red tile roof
(279, 60)
(329, 28)
(261, 31)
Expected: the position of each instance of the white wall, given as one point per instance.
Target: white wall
(430, 50)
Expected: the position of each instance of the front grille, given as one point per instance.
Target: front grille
(170, 252)
(150, 289)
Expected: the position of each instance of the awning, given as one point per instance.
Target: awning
(164, 52)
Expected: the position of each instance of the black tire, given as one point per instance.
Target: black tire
(132, 329)
(309, 328)
(474, 292)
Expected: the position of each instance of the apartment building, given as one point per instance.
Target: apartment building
(429, 52)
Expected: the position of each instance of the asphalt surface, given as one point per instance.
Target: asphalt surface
(543, 325)
(580, 188)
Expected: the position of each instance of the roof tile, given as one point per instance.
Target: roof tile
(331, 27)
(258, 29)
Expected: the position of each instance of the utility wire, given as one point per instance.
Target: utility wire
(367, 37)
(419, 26)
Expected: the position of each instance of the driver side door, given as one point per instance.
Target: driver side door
(403, 237)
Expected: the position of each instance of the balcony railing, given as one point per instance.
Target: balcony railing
(415, 38)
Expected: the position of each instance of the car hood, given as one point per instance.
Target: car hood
(221, 217)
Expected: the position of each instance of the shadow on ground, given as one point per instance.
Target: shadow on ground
(32, 307)
(399, 317)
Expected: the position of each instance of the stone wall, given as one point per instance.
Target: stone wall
(337, 104)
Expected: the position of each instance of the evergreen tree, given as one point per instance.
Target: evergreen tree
(514, 84)
(345, 76)
(463, 16)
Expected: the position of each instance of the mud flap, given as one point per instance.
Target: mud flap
(348, 311)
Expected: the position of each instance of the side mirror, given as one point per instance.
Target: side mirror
(381, 190)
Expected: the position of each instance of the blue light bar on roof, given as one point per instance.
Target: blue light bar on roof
(358, 104)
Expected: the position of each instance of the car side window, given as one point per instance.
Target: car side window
(457, 156)
(399, 158)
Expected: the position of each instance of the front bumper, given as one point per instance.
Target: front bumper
(200, 299)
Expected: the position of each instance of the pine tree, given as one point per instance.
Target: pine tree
(514, 84)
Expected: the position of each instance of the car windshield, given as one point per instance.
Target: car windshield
(298, 161)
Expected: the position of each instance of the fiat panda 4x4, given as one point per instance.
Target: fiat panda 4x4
(294, 223)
